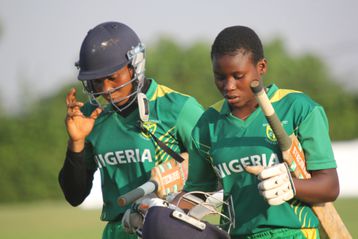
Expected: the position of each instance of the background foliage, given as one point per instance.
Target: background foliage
(33, 142)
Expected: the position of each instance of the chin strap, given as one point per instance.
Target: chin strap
(143, 107)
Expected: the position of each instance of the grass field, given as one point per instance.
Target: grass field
(58, 220)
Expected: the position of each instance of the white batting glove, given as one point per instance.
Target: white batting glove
(133, 217)
(131, 221)
(276, 184)
(147, 203)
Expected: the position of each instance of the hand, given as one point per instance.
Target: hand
(276, 184)
(142, 205)
(78, 126)
(133, 217)
(131, 221)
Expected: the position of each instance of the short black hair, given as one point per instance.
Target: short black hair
(237, 38)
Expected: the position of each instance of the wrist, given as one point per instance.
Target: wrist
(76, 146)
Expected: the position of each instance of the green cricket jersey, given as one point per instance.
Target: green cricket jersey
(223, 144)
(125, 155)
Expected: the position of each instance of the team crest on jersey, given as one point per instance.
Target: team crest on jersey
(149, 126)
(270, 136)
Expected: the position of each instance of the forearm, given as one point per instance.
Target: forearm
(75, 178)
(323, 186)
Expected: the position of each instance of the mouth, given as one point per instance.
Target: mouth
(115, 98)
(232, 98)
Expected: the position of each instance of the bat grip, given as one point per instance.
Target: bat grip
(131, 196)
(256, 86)
(282, 137)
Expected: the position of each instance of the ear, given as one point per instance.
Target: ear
(131, 70)
(262, 66)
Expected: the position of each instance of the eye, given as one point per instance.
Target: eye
(112, 78)
(238, 76)
(98, 82)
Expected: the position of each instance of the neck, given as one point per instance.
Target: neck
(245, 111)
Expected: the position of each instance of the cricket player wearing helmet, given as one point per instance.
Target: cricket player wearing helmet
(104, 133)
(234, 133)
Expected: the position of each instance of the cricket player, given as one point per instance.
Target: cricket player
(110, 131)
(234, 133)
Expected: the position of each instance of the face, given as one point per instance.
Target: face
(111, 86)
(233, 74)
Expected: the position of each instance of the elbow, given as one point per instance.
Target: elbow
(334, 193)
(335, 188)
(74, 198)
(73, 195)
(74, 202)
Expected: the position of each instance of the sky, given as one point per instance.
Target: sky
(40, 40)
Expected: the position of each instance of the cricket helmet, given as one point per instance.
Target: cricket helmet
(107, 48)
(164, 222)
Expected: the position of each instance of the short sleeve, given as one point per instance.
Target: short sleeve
(187, 119)
(313, 134)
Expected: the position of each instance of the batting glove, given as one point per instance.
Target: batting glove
(131, 221)
(276, 184)
(147, 203)
(133, 218)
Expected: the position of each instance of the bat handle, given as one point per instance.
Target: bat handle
(131, 196)
(283, 139)
(256, 86)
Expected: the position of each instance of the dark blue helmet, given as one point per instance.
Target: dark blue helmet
(104, 50)
(160, 223)
(107, 48)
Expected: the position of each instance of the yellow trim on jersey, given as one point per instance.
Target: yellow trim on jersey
(279, 94)
(302, 213)
(166, 138)
(310, 233)
(163, 90)
(166, 133)
(218, 105)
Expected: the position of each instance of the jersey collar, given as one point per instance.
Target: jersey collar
(152, 88)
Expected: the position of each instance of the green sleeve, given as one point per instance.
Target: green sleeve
(201, 174)
(313, 134)
(187, 119)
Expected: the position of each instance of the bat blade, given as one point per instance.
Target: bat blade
(168, 177)
(295, 158)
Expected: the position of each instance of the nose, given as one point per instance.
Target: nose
(107, 85)
(229, 84)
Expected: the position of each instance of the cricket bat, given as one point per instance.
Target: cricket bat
(168, 177)
(293, 155)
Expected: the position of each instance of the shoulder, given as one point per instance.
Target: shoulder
(213, 114)
(168, 98)
(295, 105)
(295, 100)
(163, 92)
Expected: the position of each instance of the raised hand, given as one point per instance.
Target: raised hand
(78, 126)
